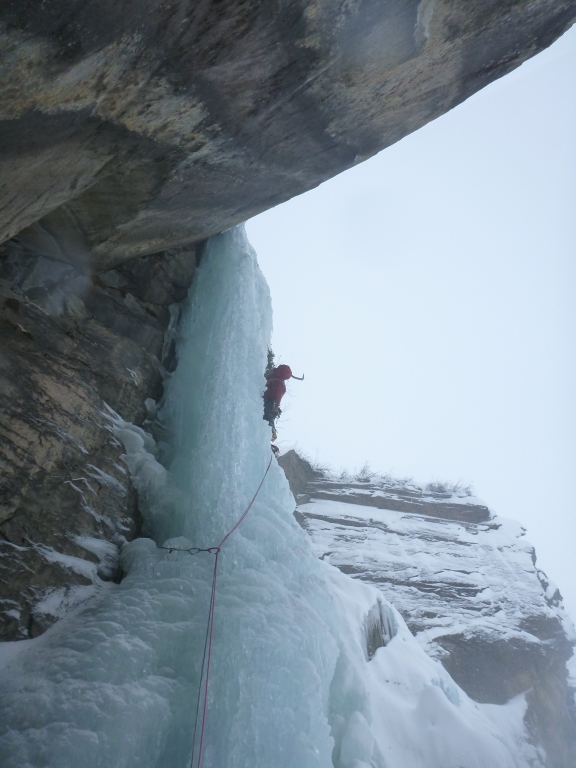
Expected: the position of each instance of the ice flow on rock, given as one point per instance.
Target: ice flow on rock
(116, 684)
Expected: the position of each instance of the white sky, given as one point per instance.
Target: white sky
(429, 297)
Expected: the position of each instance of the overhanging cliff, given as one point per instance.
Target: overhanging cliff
(153, 125)
(131, 132)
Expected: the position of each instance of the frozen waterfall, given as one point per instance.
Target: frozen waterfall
(116, 684)
(293, 683)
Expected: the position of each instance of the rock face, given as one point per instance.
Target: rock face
(129, 132)
(156, 124)
(468, 589)
(67, 503)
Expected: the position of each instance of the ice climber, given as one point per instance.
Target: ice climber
(275, 390)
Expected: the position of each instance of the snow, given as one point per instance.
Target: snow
(571, 665)
(77, 564)
(388, 486)
(292, 686)
(107, 480)
(58, 602)
(405, 710)
(448, 577)
(102, 549)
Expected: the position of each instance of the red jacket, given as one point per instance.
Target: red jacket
(275, 387)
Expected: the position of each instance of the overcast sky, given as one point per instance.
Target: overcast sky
(429, 297)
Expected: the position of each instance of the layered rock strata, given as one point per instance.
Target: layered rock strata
(67, 503)
(466, 583)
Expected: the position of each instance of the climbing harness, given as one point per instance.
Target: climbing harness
(202, 701)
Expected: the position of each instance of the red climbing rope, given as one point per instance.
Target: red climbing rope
(207, 654)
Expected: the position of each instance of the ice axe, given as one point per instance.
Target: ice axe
(300, 378)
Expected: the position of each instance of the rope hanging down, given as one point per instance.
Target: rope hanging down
(207, 653)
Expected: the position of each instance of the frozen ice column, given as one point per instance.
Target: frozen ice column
(116, 683)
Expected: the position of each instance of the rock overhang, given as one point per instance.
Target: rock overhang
(160, 125)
